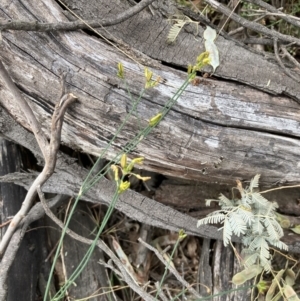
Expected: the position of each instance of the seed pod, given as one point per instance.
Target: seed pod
(290, 277)
(246, 274)
(274, 285)
(290, 294)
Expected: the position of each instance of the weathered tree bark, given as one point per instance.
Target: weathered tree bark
(217, 132)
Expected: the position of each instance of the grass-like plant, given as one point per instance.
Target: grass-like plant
(119, 165)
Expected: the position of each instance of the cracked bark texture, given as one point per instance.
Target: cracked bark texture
(217, 132)
(242, 123)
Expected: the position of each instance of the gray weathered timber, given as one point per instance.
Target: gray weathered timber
(148, 33)
(248, 131)
(69, 176)
(21, 284)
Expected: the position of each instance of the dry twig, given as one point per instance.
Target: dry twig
(38, 26)
(286, 71)
(174, 272)
(290, 19)
(290, 57)
(251, 25)
(49, 150)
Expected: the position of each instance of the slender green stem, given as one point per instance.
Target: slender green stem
(60, 294)
(88, 183)
(166, 268)
(140, 135)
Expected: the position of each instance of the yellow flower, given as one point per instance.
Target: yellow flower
(115, 169)
(148, 74)
(139, 160)
(202, 56)
(141, 178)
(120, 71)
(262, 286)
(155, 120)
(123, 186)
(181, 234)
(123, 161)
(131, 165)
(206, 61)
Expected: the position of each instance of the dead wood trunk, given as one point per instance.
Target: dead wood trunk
(217, 132)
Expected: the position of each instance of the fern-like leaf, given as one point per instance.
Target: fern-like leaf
(246, 215)
(175, 30)
(227, 232)
(254, 217)
(246, 199)
(207, 202)
(213, 219)
(250, 259)
(260, 245)
(224, 201)
(273, 228)
(246, 240)
(259, 200)
(257, 227)
(237, 224)
(278, 244)
(254, 182)
(264, 254)
(266, 264)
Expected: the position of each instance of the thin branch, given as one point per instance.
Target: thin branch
(251, 25)
(100, 244)
(34, 214)
(286, 71)
(290, 57)
(259, 41)
(49, 150)
(37, 26)
(174, 272)
(290, 19)
(237, 30)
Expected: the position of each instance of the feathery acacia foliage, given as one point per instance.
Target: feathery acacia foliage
(252, 216)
